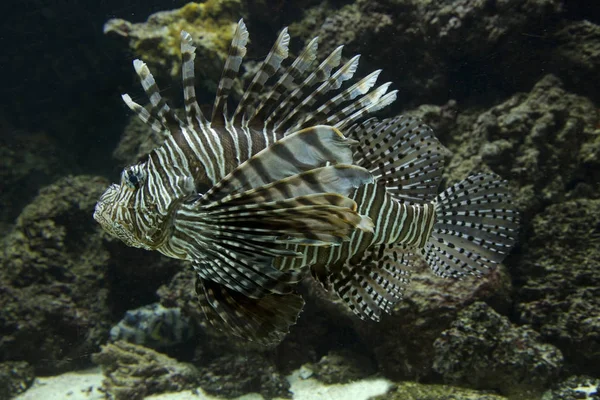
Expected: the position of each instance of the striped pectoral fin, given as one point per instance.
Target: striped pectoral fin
(476, 227)
(302, 151)
(246, 267)
(264, 320)
(374, 282)
(317, 219)
(402, 153)
(339, 180)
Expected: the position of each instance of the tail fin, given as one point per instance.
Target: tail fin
(476, 227)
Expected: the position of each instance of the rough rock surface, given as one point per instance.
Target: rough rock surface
(15, 378)
(577, 56)
(559, 290)
(420, 391)
(429, 306)
(63, 281)
(438, 46)
(134, 372)
(575, 388)
(157, 41)
(53, 298)
(484, 350)
(535, 140)
(342, 367)
(27, 161)
(234, 375)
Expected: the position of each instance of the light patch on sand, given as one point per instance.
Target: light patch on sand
(84, 385)
(81, 385)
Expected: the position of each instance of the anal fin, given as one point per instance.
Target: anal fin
(265, 320)
(373, 282)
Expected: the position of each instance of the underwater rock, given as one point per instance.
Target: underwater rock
(157, 41)
(559, 281)
(547, 144)
(342, 367)
(453, 48)
(533, 140)
(484, 350)
(403, 341)
(133, 372)
(137, 141)
(233, 375)
(27, 161)
(15, 378)
(153, 326)
(577, 55)
(575, 388)
(63, 282)
(420, 391)
(53, 295)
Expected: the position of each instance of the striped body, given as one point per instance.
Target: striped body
(395, 223)
(297, 177)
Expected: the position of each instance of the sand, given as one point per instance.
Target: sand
(84, 385)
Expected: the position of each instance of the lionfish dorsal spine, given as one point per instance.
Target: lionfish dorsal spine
(333, 82)
(370, 103)
(287, 81)
(347, 114)
(158, 105)
(194, 115)
(143, 114)
(279, 52)
(322, 72)
(359, 88)
(237, 51)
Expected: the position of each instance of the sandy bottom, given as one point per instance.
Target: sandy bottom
(84, 385)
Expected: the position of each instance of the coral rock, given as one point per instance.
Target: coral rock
(484, 350)
(134, 372)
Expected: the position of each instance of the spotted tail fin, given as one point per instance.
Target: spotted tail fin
(476, 227)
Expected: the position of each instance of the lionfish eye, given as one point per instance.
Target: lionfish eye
(132, 178)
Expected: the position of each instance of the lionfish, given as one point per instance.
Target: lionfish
(297, 180)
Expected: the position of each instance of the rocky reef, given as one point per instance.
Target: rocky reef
(484, 350)
(420, 391)
(574, 388)
(62, 279)
(508, 87)
(134, 372)
(15, 378)
(157, 41)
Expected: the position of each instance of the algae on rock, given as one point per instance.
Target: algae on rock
(420, 391)
(484, 350)
(157, 41)
(133, 372)
(15, 378)
(559, 281)
(63, 279)
(575, 388)
(53, 296)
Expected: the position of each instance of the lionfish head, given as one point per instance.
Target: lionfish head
(116, 210)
